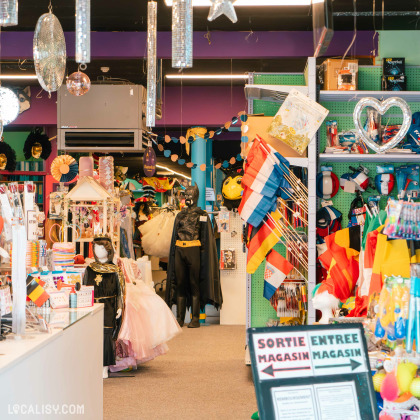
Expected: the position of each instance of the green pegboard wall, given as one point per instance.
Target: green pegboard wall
(370, 77)
(261, 309)
(271, 108)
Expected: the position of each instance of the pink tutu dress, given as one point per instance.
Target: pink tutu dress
(148, 322)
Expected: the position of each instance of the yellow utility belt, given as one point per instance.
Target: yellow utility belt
(188, 244)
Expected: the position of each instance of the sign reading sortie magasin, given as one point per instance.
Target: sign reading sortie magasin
(312, 372)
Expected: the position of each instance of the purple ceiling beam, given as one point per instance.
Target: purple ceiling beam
(236, 45)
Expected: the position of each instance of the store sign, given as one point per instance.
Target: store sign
(312, 372)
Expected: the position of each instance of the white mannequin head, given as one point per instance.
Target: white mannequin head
(326, 303)
(101, 253)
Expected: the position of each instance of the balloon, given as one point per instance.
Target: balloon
(415, 387)
(405, 375)
(389, 388)
(382, 108)
(377, 379)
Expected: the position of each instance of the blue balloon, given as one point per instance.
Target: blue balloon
(194, 166)
(244, 118)
(218, 132)
(238, 157)
(190, 139)
(207, 136)
(167, 153)
(244, 139)
(234, 120)
(174, 139)
(225, 164)
(160, 137)
(181, 161)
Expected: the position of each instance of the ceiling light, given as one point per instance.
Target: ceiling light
(207, 76)
(207, 3)
(17, 76)
(171, 170)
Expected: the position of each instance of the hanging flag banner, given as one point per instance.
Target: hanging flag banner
(312, 372)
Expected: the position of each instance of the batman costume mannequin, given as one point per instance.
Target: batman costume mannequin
(109, 287)
(193, 269)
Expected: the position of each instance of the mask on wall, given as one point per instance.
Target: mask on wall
(7, 157)
(37, 145)
(3, 161)
(232, 189)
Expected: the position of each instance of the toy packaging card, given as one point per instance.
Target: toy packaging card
(297, 121)
(394, 83)
(228, 259)
(223, 222)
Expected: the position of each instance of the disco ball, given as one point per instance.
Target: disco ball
(78, 83)
(9, 105)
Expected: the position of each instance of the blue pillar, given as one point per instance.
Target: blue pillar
(198, 156)
(209, 168)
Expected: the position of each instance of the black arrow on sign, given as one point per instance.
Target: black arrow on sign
(353, 364)
(269, 370)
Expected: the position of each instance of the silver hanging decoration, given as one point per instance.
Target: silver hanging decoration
(151, 63)
(83, 32)
(8, 12)
(182, 34)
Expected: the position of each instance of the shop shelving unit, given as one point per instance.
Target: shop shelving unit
(341, 106)
(259, 309)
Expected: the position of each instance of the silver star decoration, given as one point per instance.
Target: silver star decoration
(222, 7)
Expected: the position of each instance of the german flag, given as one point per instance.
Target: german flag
(261, 241)
(35, 291)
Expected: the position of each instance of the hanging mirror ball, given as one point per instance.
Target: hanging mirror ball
(9, 106)
(78, 83)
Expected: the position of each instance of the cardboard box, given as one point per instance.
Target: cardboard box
(393, 66)
(331, 68)
(258, 125)
(394, 83)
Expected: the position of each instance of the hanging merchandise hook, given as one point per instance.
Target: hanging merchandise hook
(50, 7)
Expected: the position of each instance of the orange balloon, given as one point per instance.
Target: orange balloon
(228, 124)
(218, 166)
(160, 147)
(183, 140)
(232, 161)
(167, 139)
(189, 165)
(211, 134)
(203, 167)
(174, 158)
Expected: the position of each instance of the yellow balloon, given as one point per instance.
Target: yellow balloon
(405, 375)
(415, 387)
(378, 378)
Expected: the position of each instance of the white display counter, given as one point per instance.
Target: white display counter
(57, 374)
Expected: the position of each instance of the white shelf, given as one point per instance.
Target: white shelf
(297, 161)
(373, 157)
(355, 95)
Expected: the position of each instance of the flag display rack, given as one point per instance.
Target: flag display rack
(259, 311)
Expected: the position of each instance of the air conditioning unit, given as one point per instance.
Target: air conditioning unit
(109, 118)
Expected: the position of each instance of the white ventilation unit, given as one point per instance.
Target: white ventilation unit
(109, 118)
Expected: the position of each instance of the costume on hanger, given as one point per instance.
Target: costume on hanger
(193, 269)
(156, 234)
(109, 289)
(148, 323)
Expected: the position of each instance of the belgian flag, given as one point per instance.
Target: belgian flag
(261, 241)
(35, 291)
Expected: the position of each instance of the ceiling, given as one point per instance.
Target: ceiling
(129, 15)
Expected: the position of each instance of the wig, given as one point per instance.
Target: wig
(10, 154)
(36, 136)
(105, 242)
